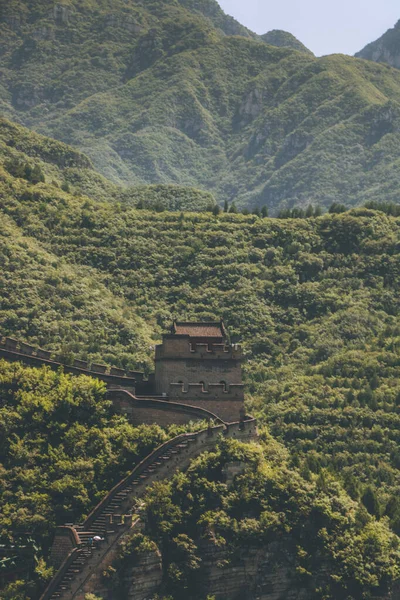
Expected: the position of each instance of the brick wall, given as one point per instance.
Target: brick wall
(65, 540)
(206, 375)
(163, 413)
(43, 358)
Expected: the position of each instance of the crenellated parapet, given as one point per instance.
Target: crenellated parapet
(196, 364)
(216, 391)
(176, 347)
(13, 349)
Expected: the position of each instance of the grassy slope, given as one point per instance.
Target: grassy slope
(166, 98)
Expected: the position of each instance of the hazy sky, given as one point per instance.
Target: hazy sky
(325, 27)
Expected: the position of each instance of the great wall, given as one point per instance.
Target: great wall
(14, 350)
(186, 387)
(82, 569)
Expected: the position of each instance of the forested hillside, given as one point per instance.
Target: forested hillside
(168, 98)
(160, 112)
(315, 303)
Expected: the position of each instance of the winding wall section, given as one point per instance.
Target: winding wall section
(81, 571)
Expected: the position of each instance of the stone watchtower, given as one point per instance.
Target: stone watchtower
(196, 364)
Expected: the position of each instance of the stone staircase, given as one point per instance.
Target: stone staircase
(82, 568)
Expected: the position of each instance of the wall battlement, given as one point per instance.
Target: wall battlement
(13, 349)
(181, 347)
(234, 391)
(196, 364)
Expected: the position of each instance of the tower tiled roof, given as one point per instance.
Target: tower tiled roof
(200, 329)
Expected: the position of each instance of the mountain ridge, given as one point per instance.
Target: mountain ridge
(168, 98)
(386, 49)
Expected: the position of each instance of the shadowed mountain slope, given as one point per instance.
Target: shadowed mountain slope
(385, 49)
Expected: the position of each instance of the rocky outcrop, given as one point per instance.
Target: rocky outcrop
(115, 20)
(61, 14)
(255, 573)
(386, 49)
(262, 573)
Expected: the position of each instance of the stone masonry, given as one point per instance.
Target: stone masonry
(196, 364)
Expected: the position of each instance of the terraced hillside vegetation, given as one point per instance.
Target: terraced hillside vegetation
(168, 98)
(314, 302)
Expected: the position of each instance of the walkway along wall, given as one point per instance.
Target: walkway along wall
(159, 411)
(81, 570)
(224, 397)
(15, 351)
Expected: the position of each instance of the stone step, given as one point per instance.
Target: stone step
(118, 505)
(85, 535)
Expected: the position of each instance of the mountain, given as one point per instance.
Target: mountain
(73, 171)
(229, 25)
(386, 49)
(212, 10)
(168, 98)
(284, 39)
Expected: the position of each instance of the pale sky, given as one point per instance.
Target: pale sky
(344, 26)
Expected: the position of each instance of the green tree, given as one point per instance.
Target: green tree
(371, 501)
(310, 211)
(216, 210)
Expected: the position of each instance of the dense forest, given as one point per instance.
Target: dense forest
(313, 299)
